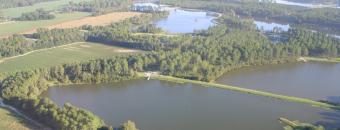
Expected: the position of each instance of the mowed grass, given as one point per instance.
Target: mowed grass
(52, 5)
(11, 121)
(72, 53)
(22, 26)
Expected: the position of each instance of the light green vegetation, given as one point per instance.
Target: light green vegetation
(52, 5)
(335, 60)
(21, 26)
(70, 53)
(248, 91)
(10, 121)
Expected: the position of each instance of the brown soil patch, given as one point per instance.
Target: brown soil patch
(101, 20)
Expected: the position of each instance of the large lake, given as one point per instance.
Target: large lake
(158, 105)
(185, 21)
(314, 80)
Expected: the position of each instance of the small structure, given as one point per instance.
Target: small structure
(146, 6)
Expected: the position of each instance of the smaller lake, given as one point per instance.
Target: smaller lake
(309, 5)
(185, 21)
(269, 26)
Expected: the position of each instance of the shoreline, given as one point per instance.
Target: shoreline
(247, 91)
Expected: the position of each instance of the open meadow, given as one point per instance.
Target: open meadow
(23, 26)
(10, 121)
(51, 5)
(70, 53)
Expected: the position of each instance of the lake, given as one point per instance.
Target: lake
(314, 80)
(269, 26)
(185, 21)
(159, 105)
(309, 5)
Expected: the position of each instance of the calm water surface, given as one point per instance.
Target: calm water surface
(269, 26)
(309, 5)
(184, 21)
(158, 105)
(314, 80)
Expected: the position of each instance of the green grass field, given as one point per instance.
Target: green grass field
(71, 53)
(10, 121)
(53, 5)
(21, 26)
(334, 60)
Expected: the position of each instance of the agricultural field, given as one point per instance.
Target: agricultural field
(24, 26)
(70, 53)
(52, 5)
(101, 20)
(10, 121)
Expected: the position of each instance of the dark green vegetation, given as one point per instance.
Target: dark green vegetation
(19, 3)
(22, 90)
(98, 7)
(39, 14)
(204, 56)
(316, 18)
(296, 125)
(18, 44)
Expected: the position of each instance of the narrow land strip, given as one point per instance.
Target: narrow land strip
(248, 91)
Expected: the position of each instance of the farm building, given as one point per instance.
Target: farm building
(146, 6)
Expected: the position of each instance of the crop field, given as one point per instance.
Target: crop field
(23, 26)
(10, 121)
(70, 53)
(52, 5)
(97, 20)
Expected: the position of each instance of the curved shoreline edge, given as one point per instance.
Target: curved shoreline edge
(248, 91)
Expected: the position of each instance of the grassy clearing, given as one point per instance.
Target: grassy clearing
(23, 26)
(10, 121)
(52, 5)
(248, 91)
(334, 60)
(59, 55)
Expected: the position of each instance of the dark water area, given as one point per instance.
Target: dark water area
(158, 105)
(313, 80)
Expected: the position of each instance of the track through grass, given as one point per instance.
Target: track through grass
(71, 53)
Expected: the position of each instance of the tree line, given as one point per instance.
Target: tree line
(20, 3)
(39, 14)
(23, 89)
(319, 18)
(18, 44)
(98, 7)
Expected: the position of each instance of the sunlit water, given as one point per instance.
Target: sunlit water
(184, 21)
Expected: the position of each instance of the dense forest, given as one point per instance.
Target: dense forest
(98, 7)
(204, 55)
(319, 18)
(23, 90)
(19, 3)
(39, 14)
(18, 44)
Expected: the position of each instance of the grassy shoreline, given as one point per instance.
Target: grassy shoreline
(247, 91)
(320, 59)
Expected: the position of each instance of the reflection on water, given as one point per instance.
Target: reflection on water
(269, 26)
(158, 105)
(303, 4)
(314, 80)
(184, 21)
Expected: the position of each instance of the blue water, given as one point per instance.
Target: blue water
(184, 21)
